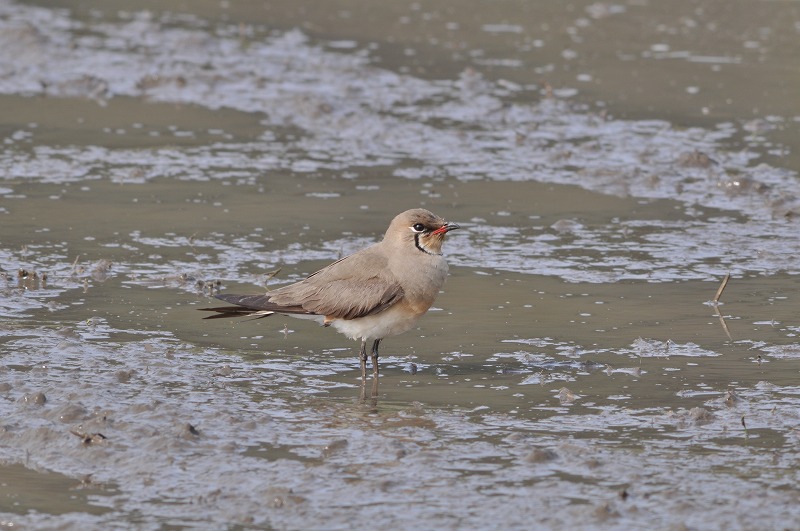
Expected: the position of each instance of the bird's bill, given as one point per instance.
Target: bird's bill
(447, 227)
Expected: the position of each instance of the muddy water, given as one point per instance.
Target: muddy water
(609, 164)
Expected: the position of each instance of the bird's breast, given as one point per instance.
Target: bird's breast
(421, 282)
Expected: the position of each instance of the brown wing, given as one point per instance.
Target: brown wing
(355, 286)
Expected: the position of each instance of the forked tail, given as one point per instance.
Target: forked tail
(256, 306)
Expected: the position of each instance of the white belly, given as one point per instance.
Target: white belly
(393, 321)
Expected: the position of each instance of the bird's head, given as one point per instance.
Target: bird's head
(423, 230)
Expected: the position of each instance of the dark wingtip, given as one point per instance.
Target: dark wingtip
(218, 315)
(228, 311)
(229, 297)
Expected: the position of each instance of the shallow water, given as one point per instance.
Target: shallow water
(609, 164)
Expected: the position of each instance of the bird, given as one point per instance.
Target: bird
(377, 292)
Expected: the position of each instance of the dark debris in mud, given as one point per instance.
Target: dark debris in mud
(88, 439)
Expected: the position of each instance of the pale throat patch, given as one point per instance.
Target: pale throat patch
(421, 247)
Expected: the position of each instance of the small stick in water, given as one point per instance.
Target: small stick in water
(722, 287)
(271, 275)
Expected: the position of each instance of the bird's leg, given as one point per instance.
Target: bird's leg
(375, 358)
(362, 356)
(374, 395)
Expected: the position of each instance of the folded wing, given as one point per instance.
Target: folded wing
(341, 290)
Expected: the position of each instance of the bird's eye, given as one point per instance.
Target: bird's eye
(418, 227)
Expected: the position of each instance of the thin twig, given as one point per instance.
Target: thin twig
(272, 274)
(722, 322)
(722, 287)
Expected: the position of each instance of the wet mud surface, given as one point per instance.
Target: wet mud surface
(575, 372)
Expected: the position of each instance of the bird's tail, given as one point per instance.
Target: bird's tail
(235, 311)
(255, 306)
